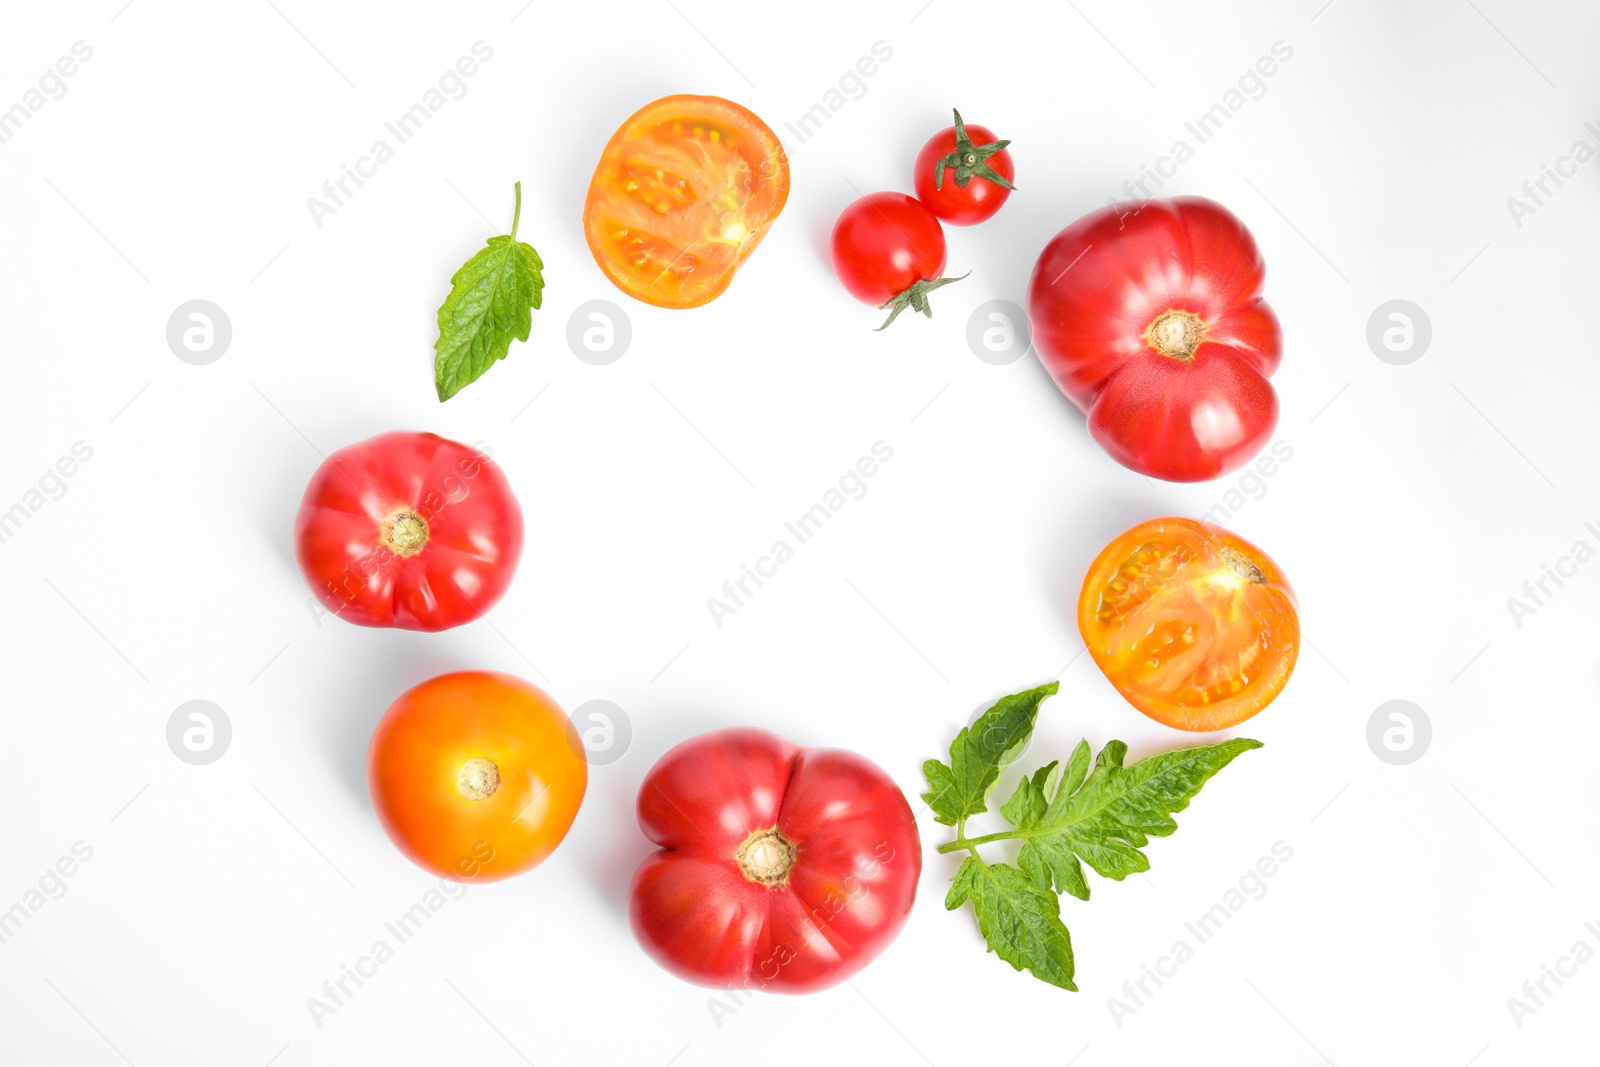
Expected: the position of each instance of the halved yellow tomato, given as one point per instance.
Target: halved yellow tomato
(684, 192)
(1195, 626)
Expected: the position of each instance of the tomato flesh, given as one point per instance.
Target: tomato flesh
(1193, 625)
(685, 190)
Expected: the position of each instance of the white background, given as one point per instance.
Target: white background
(1376, 166)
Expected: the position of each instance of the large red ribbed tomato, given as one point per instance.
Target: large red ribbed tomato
(408, 530)
(782, 868)
(1149, 317)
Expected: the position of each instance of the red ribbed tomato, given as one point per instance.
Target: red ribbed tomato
(781, 868)
(408, 530)
(1149, 317)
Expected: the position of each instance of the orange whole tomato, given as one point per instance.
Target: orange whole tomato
(476, 775)
(684, 192)
(1195, 626)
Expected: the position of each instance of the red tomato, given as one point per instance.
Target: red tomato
(782, 868)
(888, 250)
(408, 530)
(1149, 317)
(964, 173)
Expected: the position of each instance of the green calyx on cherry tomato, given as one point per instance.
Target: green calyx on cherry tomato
(408, 530)
(947, 164)
(1149, 316)
(888, 251)
(781, 868)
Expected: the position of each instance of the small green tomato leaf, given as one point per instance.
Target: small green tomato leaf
(978, 755)
(1028, 803)
(1020, 920)
(1112, 815)
(488, 307)
(961, 884)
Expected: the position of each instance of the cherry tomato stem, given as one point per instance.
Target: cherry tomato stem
(964, 174)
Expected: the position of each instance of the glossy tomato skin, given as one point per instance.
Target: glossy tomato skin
(981, 198)
(1149, 316)
(476, 775)
(408, 530)
(855, 862)
(1194, 626)
(684, 192)
(884, 243)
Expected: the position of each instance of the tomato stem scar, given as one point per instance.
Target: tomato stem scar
(1243, 566)
(765, 857)
(478, 779)
(1176, 334)
(404, 533)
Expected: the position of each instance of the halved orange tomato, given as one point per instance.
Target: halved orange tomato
(1195, 626)
(684, 192)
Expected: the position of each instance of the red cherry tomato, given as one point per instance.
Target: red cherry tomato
(1149, 316)
(888, 250)
(964, 173)
(408, 530)
(782, 868)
